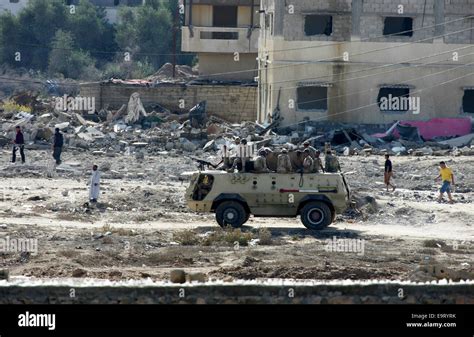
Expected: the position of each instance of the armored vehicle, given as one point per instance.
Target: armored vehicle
(233, 197)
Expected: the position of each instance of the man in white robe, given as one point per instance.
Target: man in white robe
(94, 184)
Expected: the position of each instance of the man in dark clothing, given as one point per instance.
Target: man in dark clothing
(388, 172)
(19, 142)
(58, 146)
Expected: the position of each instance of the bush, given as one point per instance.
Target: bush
(9, 106)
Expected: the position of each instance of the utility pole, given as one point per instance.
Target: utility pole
(175, 26)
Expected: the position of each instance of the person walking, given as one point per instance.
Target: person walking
(447, 178)
(387, 175)
(94, 184)
(58, 146)
(19, 143)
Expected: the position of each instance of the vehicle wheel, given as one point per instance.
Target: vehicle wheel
(231, 213)
(316, 215)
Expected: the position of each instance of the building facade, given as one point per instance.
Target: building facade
(366, 61)
(224, 34)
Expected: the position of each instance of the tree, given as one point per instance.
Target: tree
(38, 23)
(91, 30)
(64, 59)
(9, 37)
(146, 32)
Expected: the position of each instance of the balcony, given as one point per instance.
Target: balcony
(219, 40)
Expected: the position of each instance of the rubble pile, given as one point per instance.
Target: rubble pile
(134, 130)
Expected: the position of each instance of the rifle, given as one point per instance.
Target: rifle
(203, 163)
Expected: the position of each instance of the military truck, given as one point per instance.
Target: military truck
(233, 197)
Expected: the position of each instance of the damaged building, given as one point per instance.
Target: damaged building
(341, 60)
(224, 34)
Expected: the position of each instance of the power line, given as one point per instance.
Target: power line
(373, 38)
(365, 70)
(402, 82)
(417, 91)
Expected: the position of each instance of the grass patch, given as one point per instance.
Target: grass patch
(187, 237)
(228, 237)
(265, 236)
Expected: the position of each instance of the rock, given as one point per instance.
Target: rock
(4, 274)
(79, 272)
(196, 277)
(177, 276)
(189, 147)
(65, 193)
(169, 146)
(62, 126)
(214, 129)
(139, 155)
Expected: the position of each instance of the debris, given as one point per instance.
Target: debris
(4, 274)
(135, 109)
(79, 272)
(177, 276)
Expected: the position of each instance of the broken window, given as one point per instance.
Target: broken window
(318, 25)
(468, 101)
(395, 99)
(312, 98)
(398, 26)
(224, 16)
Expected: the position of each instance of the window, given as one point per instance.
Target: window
(14, 1)
(398, 26)
(394, 99)
(468, 101)
(312, 98)
(318, 25)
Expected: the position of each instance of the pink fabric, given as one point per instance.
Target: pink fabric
(437, 127)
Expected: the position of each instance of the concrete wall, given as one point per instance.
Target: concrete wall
(374, 60)
(239, 294)
(232, 103)
(225, 67)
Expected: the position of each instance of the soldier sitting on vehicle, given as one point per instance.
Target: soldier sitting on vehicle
(298, 161)
(284, 162)
(312, 150)
(308, 163)
(332, 163)
(260, 162)
(318, 163)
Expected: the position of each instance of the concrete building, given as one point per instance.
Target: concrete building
(224, 34)
(14, 6)
(342, 60)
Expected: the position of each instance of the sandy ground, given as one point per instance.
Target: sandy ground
(141, 228)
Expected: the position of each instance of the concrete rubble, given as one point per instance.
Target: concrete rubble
(138, 130)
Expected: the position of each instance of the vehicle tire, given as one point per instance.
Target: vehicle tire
(231, 213)
(316, 215)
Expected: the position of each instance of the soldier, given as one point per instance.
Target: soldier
(312, 150)
(332, 163)
(260, 163)
(308, 162)
(318, 163)
(284, 162)
(298, 161)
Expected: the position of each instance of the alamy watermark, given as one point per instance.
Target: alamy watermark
(395, 103)
(12, 245)
(78, 103)
(345, 245)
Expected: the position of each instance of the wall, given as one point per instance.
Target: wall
(224, 64)
(383, 293)
(232, 103)
(374, 60)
